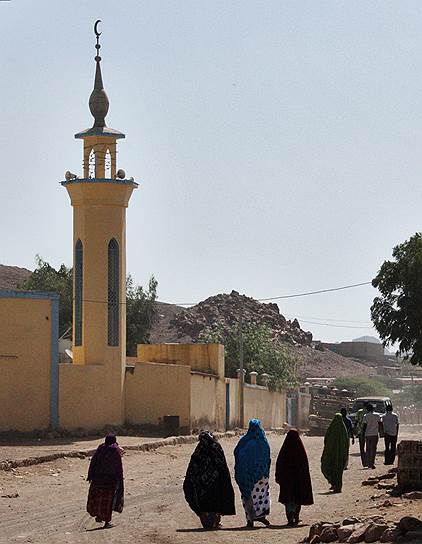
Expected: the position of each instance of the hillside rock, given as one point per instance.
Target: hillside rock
(226, 310)
(12, 276)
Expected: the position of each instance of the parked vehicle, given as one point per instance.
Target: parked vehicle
(325, 403)
(379, 403)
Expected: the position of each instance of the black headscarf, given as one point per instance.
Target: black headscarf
(106, 469)
(207, 484)
(292, 471)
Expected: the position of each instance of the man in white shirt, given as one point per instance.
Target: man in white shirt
(390, 423)
(371, 424)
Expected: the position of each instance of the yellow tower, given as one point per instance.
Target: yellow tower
(99, 200)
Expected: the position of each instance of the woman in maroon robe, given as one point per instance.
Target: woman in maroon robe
(106, 477)
(292, 475)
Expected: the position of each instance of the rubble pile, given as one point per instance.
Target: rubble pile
(373, 529)
(225, 310)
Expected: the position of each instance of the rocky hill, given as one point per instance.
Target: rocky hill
(12, 276)
(177, 324)
(226, 310)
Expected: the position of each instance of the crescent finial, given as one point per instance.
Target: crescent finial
(98, 34)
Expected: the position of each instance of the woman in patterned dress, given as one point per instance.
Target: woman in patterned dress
(252, 470)
(207, 486)
(106, 478)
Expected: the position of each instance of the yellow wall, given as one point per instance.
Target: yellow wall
(155, 390)
(25, 363)
(84, 400)
(198, 356)
(208, 402)
(268, 406)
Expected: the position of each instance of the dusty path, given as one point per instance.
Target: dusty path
(50, 507)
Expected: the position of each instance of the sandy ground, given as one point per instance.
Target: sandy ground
(50, 507)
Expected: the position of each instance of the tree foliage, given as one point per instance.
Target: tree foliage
(261, 353)
(48, 279)
(397, 311)
(141, 313)
(364, 386)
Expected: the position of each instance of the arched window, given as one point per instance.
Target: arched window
(79, 261)
(113, 293)
(107, 164)
(91, 164)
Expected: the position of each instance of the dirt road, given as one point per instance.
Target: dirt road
(50, 507)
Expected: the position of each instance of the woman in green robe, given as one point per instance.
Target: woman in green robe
(335, 454)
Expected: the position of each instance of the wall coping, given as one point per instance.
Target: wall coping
(208, 374)
(39, 295)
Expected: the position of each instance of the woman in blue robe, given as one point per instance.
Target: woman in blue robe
(252, 471)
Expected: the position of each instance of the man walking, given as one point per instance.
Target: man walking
(360, 432)
(390, 423)
(371, 423)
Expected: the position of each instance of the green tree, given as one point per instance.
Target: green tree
(48, 279)
(364, 386)
(261, 353)
(397, 311)
(141, 313)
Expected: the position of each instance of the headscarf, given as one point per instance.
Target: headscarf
(207, 484)
(336, 451)
(292, 471)
(106, 469)
(252, 455)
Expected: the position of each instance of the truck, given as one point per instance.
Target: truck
(325, 403)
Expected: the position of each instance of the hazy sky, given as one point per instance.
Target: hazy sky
(277, 144)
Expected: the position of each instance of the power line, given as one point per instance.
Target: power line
(327, 319)
(316, 292)
(305, 294)
(334, 325)
(330, 290)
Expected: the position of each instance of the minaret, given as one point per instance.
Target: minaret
(99, 200)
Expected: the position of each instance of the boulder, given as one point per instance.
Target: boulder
(370, 482)
(375, 531)
(385, 485)
(390, 535)
(351, 520)
(315, 530)
(409, 523)
(358, 534)
(329, 534)
(414, 536)
(412, 495)
(344, 532)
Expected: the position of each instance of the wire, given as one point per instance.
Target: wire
(316, 292)
(260, 299)
(326, 319)
(337, 326)
(291, 296)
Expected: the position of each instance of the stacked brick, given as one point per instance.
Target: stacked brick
(409, 475)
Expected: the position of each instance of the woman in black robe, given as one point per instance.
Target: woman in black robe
(207, 486)
(106, 478)
(292, 475)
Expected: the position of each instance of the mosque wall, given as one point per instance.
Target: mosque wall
(260, 402)
(155, 390)
(207, 401)
(28, 360)
(88, 399)
(200, 357)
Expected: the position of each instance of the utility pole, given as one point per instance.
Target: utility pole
(241, 377)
